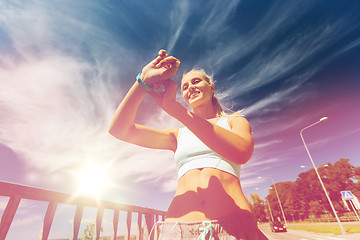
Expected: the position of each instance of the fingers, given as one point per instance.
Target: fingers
(168, 61)
(161, 55)
(164, 60)
(177, 63)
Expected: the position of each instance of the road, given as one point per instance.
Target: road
(294, 235)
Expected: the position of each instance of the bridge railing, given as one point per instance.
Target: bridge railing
(16, 192)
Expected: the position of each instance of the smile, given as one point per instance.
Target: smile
(194, 95)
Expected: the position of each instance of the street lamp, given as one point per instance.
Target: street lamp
(282, 211)
(268, 204)
(317, 173)
(325, 165)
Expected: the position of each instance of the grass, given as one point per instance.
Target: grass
(330, 229)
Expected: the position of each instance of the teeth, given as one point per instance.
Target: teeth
(194, 95)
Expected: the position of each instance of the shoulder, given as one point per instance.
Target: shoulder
(238, 120)
(239, 123)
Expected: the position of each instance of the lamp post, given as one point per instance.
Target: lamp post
(325, 165)
(317, 173)
(268, 204)
(279, 201)
(278, 198)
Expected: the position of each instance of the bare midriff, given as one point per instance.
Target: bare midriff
(207, 194)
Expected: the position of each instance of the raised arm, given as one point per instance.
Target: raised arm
(123, 126)
(236, 145)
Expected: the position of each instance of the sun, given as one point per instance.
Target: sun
(93, 180)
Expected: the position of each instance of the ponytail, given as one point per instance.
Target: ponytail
(217, 106)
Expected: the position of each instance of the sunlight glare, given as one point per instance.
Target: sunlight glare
(93, 180)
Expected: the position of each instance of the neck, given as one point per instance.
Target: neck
(205, 111)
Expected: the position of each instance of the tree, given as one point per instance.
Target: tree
(285, 192)
(316, 208)
(356, 180)
(90, 231)
(306, 196)
(258, 207)
(308, 189)
(336, 178)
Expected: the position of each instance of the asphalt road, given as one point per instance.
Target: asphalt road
(293, 234)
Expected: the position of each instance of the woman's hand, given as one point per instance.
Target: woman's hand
(166, 99)
(161, 68)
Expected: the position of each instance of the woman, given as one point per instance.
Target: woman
(208, 152)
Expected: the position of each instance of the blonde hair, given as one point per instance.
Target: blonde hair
(215, 101)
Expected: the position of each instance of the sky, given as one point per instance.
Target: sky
(66, 65)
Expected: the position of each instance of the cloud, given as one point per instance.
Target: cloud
(255, 163)
(57, 102)
(178, 18)
(249, 182)
(267, 144)
(277, 18)
(291, 60)
(26, 221)
(3, 203)
(215, 20)
(56, 120)
(255, 168)
(28, 213)
(170, 185)
(66, 66)
(212, 23)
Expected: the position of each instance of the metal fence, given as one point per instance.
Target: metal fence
(16, 192)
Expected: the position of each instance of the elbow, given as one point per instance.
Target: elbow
(121, 132)
(247, 157)
(242, 158)
(249, 152)
(117, 133)
(112, 132)
(239, 156)
(245, 154)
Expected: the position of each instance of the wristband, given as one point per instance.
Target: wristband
(143, 84)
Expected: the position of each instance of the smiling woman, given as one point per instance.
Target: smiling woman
(92, 180)
(208, 151)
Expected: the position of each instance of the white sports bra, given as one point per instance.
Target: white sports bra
(192, 153)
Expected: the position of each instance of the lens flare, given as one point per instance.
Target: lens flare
(93, 180)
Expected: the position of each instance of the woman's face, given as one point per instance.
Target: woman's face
(196, 90)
